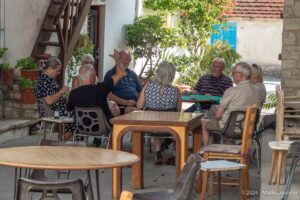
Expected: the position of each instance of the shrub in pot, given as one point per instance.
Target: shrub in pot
(7, 74)
(28, 67)
(26, 90)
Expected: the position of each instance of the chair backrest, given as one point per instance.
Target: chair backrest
(91, 121)
(39, 174)
(233, 128)
(184, 187)
(75, 187)
(247, 133)
(294, 150)
(44, 108)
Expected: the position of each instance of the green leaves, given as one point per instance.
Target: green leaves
(148, 37)
(26, 83)
(271, 103)
(2, 52)
(27, 63)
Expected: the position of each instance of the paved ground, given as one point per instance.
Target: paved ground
(163, 177)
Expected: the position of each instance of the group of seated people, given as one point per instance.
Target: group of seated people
(121, 91)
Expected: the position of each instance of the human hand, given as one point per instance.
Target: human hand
(193, 91)
(131, 102)
(116, 56)
(64, 89)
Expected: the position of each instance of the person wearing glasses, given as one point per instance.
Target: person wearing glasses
(86, 59)
(126, 92)
(241, 96)
(257, 80)
(214, 83)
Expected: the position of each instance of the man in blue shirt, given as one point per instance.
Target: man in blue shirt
(213, 84)
(126, 92)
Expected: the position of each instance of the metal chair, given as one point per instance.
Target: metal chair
(92, 122)
(295, 155)
(233, 128)
(44, 111)
(75, 187)
(183, 189)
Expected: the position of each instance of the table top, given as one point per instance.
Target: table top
(65, 120)
(158, 118)
(65, 157)
(200, 98)
(280, 145)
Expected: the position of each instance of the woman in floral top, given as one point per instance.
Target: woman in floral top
(159, 95)
(47, 89)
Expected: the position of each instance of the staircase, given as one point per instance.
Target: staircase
(61, 28)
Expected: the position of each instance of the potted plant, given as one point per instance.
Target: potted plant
(26, 90)
(7, 74)
(28, 67)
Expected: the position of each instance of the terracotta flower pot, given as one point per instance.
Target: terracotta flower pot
(7, 76)
(27, 96)
(30, 74)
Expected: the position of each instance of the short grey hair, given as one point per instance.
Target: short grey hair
(219, 60)
(243, 68)
(165, 73)
(52, 62)
(87, 71)
(86, 57)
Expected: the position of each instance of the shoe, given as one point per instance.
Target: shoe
(171, 160)
(97, 142)
(158, 158)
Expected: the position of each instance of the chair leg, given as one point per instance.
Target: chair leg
(289, 179)
(258, 153)
(40, 130)
(219, 185)
(245, 181)
(97, 184)
(204, 184)
(279, 169)
(51, 130)
(274, 157)
(90, 186)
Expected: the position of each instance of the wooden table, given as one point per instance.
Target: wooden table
(65, 157)
(61, 121)
(178, 124)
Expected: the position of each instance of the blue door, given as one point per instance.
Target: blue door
(226, 32)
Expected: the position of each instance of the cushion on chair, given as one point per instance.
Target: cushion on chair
(221, 148)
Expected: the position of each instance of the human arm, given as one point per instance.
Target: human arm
(121, 101)
(75, 82)
(52, 99)
(141, 101)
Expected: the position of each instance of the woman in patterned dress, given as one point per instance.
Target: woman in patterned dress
(47, 89)
(159, 95)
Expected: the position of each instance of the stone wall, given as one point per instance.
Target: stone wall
(290, 74)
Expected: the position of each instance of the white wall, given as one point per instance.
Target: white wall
(117, 14)
(259, 41)
(23, 21)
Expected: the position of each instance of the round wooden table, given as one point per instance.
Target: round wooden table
(65, 157)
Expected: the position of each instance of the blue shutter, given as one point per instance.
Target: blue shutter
(226, 32)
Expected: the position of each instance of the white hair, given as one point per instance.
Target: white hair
(165, 73)
(86, 57)
(244, 68)
(86, 72)
(219, 60)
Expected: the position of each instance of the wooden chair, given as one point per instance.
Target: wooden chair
(183, 189)
(75, 187)
(240, 153)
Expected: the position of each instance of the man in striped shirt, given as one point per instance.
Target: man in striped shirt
(212, 84)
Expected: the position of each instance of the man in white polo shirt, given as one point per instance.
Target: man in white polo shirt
(235, 98)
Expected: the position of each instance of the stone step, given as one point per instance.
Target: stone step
(14, 109)
(14, 128)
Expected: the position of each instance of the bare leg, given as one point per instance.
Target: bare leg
(205, 134)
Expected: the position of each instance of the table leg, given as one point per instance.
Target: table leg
(63, 132)
(116, 172)
(90, 188)
(197, 139)
(15, 184)
(183, 138)
(137, 169)
(97, 183)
